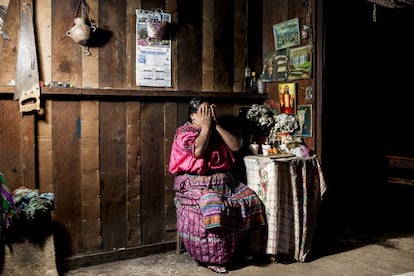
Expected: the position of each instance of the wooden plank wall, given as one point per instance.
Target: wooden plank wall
(106, 158)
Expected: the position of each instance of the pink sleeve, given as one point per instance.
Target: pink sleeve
(182, 159)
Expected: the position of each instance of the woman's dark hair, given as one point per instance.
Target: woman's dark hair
(194, 105)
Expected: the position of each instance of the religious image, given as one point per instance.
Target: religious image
(287, 97)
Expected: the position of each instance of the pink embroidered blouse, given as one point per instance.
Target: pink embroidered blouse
(182, 160)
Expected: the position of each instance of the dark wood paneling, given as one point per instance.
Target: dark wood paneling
(67, 169)
(112, 126)
(28, 158)
(239, 47)
(10, 143)
(153, 4)
(133, 148)
(152, 172)
(170, 125)
(272, 14)
(17, 146)
(8, 48)
(223, 46)
(66, 54)
(189, 45)
(254, 35)
(112, 59)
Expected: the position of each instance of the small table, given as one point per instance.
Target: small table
(291, 188)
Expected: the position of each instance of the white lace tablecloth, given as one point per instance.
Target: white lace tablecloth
(291, 190)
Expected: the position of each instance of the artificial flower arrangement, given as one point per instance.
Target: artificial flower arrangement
(267, 117)
(278, 127)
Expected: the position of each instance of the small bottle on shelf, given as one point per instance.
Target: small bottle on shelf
(247, 79)
(253, 83)
(261, 86)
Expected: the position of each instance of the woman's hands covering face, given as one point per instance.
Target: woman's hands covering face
(204, 115)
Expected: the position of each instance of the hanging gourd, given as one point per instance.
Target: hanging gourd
(81, 27)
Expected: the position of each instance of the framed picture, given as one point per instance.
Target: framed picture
(287, 97)
(286, 34)
(282, 65)
(269, 72)
(300, 63)
(304, 114)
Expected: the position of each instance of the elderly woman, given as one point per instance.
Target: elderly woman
(214, 209)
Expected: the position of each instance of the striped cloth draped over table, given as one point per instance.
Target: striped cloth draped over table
(291, 190)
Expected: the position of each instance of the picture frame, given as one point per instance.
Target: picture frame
(269, 72)
(287, 97)
(304, 114)
(286, 34)
(300, 63)
(282, 65)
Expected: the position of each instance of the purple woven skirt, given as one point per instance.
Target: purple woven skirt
(213, 214)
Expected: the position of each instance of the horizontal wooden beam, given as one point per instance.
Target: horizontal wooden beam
(57, 92)
(84, 260)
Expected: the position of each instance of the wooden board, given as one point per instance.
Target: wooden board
(170, 123)
(112, 58)
(189, 43)
(133, 151)
(67, 55)
(8, 48)
(67, 170)
(152, 172)
(223, 47)
(90, 175)
(112, 154)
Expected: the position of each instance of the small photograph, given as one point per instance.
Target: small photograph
(304, 114)
(287, 97)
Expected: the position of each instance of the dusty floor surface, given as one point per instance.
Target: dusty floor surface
(386, 255)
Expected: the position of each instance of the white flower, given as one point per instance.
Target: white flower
(261, 115)
(271, 121)
(285, 123)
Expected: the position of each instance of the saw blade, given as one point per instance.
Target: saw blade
(27, 72)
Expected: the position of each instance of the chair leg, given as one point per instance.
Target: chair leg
(178, 244)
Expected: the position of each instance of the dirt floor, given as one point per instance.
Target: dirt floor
(385, 255)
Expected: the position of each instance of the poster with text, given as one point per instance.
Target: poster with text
(153, 56)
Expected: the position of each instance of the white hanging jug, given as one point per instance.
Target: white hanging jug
(80, 31)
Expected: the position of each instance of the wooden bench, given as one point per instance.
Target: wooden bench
(400, 170)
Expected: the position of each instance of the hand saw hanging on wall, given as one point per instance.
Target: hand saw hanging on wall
(27, 72)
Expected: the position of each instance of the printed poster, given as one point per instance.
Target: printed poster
(153, 56)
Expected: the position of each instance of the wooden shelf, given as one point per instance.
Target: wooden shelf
(150, 94)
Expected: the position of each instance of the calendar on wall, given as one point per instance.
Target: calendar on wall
(153, 48)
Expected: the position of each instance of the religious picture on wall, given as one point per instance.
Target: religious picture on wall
(269, 72)
(300, 63)
(304, 115)
(286, 34)
(287, 97)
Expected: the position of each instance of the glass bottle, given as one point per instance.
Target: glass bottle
(253, 83)
(247, 78)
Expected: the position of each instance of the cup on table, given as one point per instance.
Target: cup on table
(254, 148)
(265, 149)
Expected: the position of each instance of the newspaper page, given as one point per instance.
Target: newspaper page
(153, 56)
